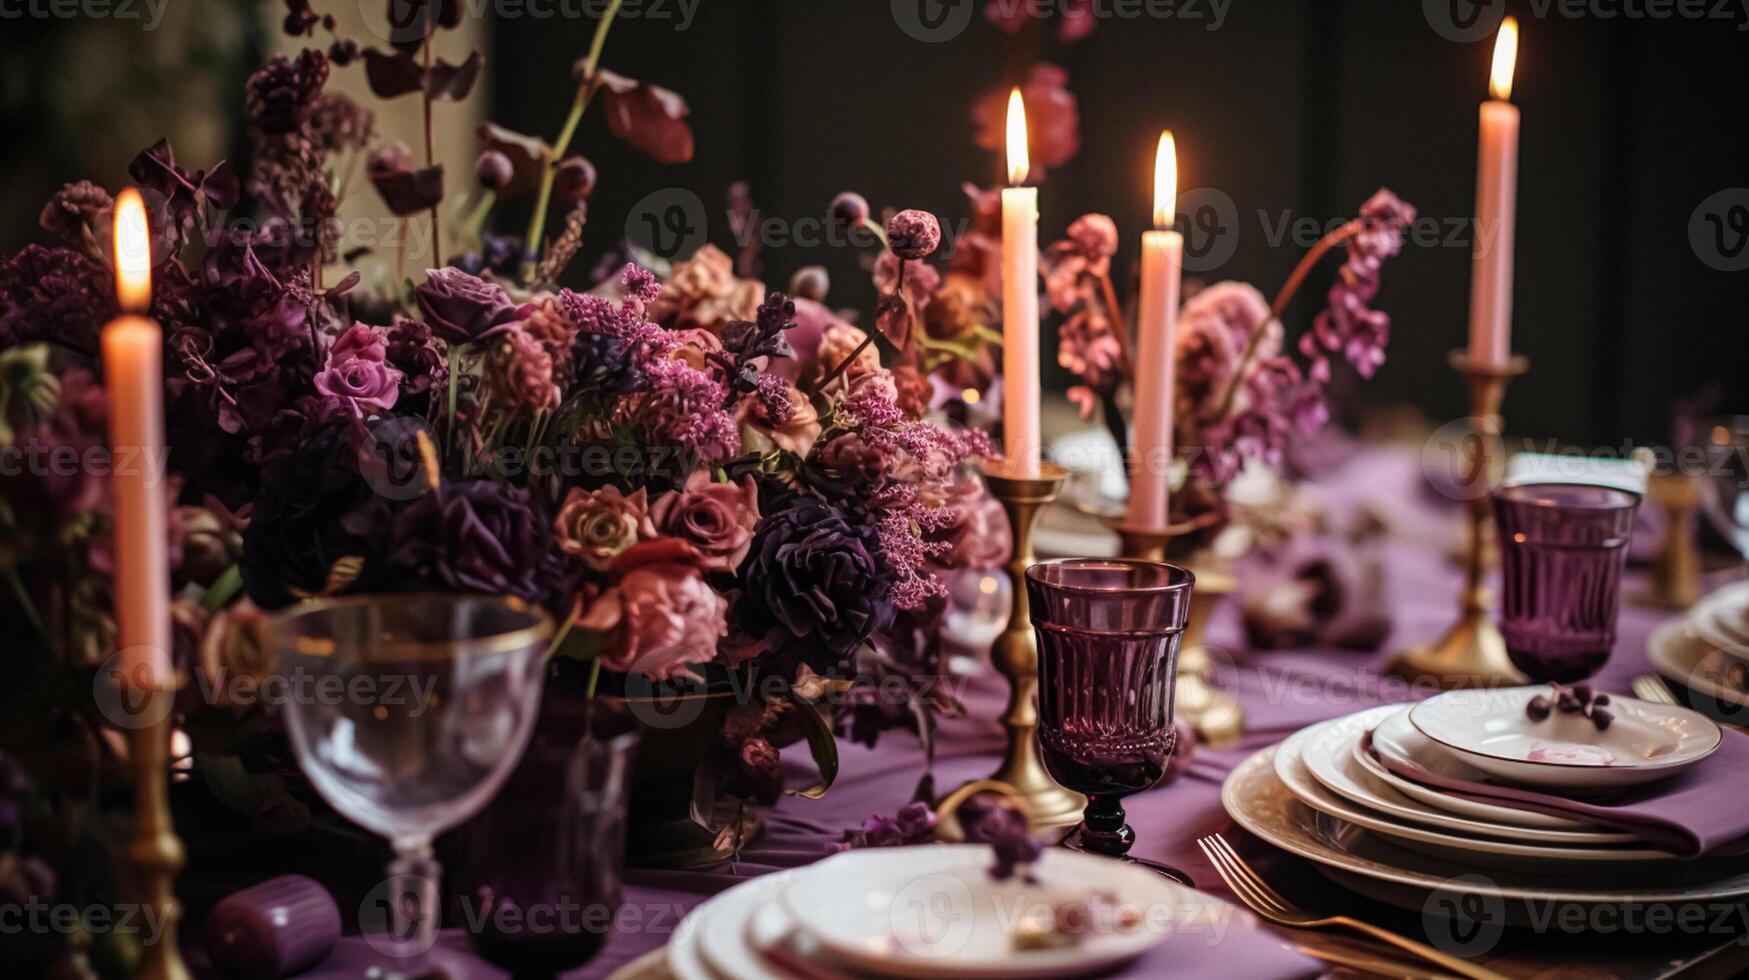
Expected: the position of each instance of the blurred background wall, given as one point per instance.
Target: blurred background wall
(1633, 217)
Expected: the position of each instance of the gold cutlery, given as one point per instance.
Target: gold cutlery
(1648, 687)
(1269, 904)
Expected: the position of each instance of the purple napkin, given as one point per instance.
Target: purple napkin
(1697, 811)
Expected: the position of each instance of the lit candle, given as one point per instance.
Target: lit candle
(134, 377)
(1496, 206)
(1156, 329)
(1020, 301)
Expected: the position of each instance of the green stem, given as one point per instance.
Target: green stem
(476, 219)
(455, 358)
(227, 585)
(559, 638)
(594, 677)
(537, 222)
(25, 602)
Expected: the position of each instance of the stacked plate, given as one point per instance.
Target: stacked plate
(1333, 794)
(1707, 651)
(929, 911)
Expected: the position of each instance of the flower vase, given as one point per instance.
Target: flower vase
(674, 819)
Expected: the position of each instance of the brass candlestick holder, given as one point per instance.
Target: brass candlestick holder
(154, 851)
(1015, 652)
(1212, 713)
(1473, 653)
(1676, 572)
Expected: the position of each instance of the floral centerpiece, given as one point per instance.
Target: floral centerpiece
(713, 486)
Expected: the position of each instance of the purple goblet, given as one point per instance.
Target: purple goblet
(1562, 550)
(1108, 635)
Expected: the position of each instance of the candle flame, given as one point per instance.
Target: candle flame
(1165, 181)
(133, 252)
(1505, 60)
(1018, 162)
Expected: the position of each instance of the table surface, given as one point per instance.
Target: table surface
(1281, 692)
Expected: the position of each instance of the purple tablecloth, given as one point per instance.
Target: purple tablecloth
(1280, 691)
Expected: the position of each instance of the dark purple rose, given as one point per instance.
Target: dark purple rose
(813, 582)
(314, 510)
(913, 234)
(479, 536)
(462, 308)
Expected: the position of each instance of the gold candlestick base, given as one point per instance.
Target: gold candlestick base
(1015, 652)
(154, 851)
(1473, 653)
(1213, 714)
(1676, 572)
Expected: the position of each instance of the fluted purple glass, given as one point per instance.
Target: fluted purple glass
(1562, 550)
(1108, 635)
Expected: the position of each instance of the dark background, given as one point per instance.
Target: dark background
(1295, 109)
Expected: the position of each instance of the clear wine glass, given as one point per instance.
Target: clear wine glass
(1108, 637)
(1724, 480)
(1563, 547)
(407, 712)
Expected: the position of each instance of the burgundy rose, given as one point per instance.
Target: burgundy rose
(357, 379)
(462, 308)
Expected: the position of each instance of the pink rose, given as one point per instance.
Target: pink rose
(356, 380)
(715, 518)
(667, 616)
(598, 526)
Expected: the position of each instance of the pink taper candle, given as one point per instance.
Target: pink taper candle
(1156, 354)
(1496, 207)
(1020, 377)
(134, 378)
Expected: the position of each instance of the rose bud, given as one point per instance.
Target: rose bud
(810, 282)
(494, 170)
(573, 180)
(850, 208)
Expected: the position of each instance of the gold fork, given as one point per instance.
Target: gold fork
(1268, 903)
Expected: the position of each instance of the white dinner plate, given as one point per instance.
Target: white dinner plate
(1398, 740)
(1259, 801)
(1686, 659)
(1721, 618)
(1291, 769)
(722, 936)
(1490, 730)
(935, 911)
(1332, 754)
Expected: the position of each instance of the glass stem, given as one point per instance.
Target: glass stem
(413, 877)
(1104, 830)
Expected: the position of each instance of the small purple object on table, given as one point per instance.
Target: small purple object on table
(273, 929)
(1698, 812)
(1562, 550)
